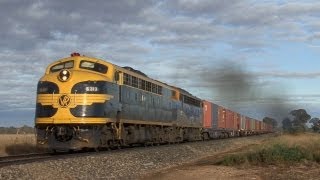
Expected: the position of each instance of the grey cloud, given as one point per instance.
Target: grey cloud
(300, 8)
(26, 25)
(260, 20)
(290, 75)
(39, 22)
(50, 23)
(180, 40)
(202, 7)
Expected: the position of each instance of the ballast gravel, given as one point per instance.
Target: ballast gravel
(131, 163)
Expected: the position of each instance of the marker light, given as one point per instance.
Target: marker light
(75, 54)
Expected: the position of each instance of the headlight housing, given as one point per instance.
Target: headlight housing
(64, 75)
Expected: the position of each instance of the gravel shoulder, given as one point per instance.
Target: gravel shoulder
(134, 163)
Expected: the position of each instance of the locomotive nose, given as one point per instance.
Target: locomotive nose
(64, 75)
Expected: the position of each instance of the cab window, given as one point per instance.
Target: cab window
(94, 66)
(63, 65)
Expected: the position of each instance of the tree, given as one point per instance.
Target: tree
(315, 124)
(270, 121)
(297, 123)
(287, 124)
(300, 116)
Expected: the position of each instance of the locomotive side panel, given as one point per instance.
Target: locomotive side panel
(140, 105)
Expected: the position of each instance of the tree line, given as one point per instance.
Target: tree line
(296, 122)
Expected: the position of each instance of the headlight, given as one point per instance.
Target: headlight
(64, 75)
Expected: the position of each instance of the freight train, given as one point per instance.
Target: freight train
(85, 102)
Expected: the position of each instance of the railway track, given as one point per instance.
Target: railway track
(24, 158)
(36, 157)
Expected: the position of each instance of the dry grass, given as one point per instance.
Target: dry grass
(306, 139)
(12, 144)
(280, 150)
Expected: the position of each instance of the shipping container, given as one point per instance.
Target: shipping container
(260, 126)
(207, 114)
(243, 122)
(237, 121)
(257, 125)
(248, 124)
(215, 115)
(210, 114)
(229, 119)
(264, 127)
(253, 124)
(221, 117)
(218, 117)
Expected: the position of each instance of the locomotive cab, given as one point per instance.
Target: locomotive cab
(74, 97)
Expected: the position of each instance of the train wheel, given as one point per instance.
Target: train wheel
(205, 136)
(53, 151)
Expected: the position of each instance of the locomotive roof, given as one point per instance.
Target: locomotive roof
(134, 70)
(130, 69)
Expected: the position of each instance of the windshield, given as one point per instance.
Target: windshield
(94, 66)
(63, 65)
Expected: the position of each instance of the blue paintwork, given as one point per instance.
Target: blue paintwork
(142, 105)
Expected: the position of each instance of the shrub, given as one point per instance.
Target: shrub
(287, 149)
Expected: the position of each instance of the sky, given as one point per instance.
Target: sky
(253, 56)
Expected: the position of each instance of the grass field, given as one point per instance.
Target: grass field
(284, 149)
(12, 144)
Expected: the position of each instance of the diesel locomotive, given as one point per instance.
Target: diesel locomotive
(85, 102)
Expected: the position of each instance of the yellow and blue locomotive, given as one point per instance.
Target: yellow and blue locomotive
(85, 102)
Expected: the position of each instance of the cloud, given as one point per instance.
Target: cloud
(290, 75)
(27, 25)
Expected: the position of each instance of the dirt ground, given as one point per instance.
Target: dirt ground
(208, 172)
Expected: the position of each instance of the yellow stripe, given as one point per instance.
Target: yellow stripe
(76, 99)
(71, 121)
